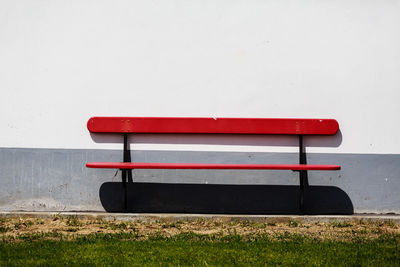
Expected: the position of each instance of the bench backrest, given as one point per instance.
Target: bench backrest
(212, 125)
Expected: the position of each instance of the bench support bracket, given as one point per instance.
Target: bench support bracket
(303, 175)
(126, 173)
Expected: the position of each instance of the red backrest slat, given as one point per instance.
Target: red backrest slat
(212, 125)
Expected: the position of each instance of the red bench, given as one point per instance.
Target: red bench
(129, 125)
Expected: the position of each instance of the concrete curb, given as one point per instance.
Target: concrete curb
(148, 217)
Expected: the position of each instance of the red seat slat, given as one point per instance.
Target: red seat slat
(212, 125)
(139, 165)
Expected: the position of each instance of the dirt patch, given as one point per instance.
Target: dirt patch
(71, 226)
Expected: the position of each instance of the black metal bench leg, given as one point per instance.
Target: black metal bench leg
(303, 175)
(125, 173)
(125, 190)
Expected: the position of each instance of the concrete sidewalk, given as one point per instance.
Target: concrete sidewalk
(170, 217)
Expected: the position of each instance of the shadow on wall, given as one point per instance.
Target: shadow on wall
(222, 139)
(218, 198)
(228, 199)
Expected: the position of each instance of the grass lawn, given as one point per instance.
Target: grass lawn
(72, 241)
(200, 250)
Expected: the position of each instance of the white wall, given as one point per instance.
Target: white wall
(62, 62)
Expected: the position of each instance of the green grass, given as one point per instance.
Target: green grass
(198, 250)
(341, 224)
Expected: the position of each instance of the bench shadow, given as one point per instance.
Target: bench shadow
(222, 139)
(227, 199)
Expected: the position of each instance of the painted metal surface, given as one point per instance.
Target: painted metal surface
(298, 127)
(212, 125)
(139, 165)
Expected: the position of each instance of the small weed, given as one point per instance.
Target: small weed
(4, 229)
(200, 221)
(99, 221)
(389, 223)
(271, 223)
(360, 232)
(259, 225)
(363, 231)
(377, 230)
(217, 223)
(72, 221)
(341, 224)
(116, 226)
(17, 225)
(28, 223)
(39, 236)
(56, 217)
(171, 225)
(293, 223)
(245, 223)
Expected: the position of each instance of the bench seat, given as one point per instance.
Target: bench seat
(141, 165)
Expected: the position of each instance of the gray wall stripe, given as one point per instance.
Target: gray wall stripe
(57, 180)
